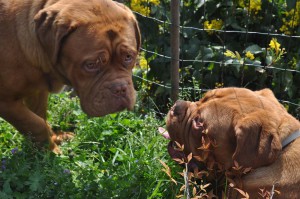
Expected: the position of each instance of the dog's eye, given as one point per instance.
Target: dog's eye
(94, 66)
(91, 66)
(128, 60)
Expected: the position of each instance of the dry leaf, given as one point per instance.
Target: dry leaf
(236, 166)
(205, 144)
(179, 161)
(246, 170)
(190, 156)
(194, 191)
(243, 193)
(179, 146)
(182, 188)
(167, 170)
(181, 173)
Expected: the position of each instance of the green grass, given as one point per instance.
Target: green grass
(116, 156)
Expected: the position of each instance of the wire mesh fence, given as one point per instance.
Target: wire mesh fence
(244, 43)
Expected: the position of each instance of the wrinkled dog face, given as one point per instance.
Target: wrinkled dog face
(98, 64)
(94, 53)
(184, 126)
(236, 123)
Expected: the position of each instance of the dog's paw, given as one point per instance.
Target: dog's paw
(55, 149)
(60, 137)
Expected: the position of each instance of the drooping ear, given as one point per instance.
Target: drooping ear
(197, 125)
(257, 140)
(51, 32)
(137, 34)
(135, 24)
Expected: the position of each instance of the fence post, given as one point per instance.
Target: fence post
(175, 30)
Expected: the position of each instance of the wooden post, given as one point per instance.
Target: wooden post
(175, 35)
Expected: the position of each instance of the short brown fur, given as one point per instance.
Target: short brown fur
(247, 127)
(47, 44)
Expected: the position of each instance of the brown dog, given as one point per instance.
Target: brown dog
(90, 45)
(236, 124)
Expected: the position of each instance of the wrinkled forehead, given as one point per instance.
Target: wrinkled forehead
(90, 38)
(181, 111)
(101, 20)
(115, 32)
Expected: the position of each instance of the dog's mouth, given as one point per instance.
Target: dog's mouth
(176, 151)
(107, 100)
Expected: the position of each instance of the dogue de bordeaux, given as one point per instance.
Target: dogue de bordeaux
(237, 125)
(91, 45)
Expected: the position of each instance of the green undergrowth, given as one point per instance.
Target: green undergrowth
(116, 156)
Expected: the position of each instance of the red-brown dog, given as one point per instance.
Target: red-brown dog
(251, 128)
(90, 45)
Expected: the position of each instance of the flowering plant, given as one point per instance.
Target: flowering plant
(260, 55)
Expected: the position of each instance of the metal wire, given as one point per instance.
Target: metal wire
(166, 58)
(222, 31)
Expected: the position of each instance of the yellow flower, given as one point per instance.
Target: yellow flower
(291, 21)
(249, 55)
(255, 5)
(229, 53)
(187, 4)
(138, 6)
(241, 3)
(275, 45)
(143, 63)
(207, 25)
(219, 85)
(216, 24)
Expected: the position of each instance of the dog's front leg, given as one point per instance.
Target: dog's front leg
(28, 123)
(38, 103)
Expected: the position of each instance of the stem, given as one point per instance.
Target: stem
(186, 181)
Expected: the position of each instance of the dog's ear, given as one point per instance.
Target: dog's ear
(51, 31)
(135, 24)
(137, 34)
(257, 140)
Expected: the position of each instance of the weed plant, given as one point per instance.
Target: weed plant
(117, 156)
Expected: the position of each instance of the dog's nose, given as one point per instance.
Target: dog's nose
(119, 90)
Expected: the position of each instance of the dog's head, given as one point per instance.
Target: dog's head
(229, 124)
(93, 46)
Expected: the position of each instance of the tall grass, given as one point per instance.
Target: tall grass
(116, 156)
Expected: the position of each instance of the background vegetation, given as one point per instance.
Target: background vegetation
(209, 29)
(118, 156)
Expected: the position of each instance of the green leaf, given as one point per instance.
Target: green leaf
(35, 181)
(6, 187)
(291, 4)
(269, 60)
(254, 49)
(4, 196)
(229, 61)
(288, 77)
(211, 66)
(237, 27)
(107, 133)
